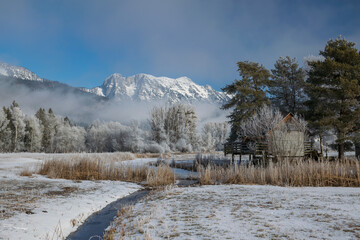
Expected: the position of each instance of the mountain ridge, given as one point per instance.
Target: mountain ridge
(139, 87)
(23, 73)
(146, 87)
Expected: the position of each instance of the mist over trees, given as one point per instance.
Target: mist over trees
(169, 128)
(327, 94)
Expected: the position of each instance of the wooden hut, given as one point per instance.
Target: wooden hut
(286, 139)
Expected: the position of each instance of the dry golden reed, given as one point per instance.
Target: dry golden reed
(160, 176)
(26, 173)
(344, 173)
(83, 168)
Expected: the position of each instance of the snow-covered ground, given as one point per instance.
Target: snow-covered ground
(246, 212)
(37, 207)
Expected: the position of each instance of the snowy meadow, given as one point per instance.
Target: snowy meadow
(48, 196)
(39, 207)
(242, 212)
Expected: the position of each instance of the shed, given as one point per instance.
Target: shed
(286, 139)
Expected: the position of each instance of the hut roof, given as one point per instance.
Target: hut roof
(293, 124)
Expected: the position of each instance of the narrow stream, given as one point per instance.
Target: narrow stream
(95, 225)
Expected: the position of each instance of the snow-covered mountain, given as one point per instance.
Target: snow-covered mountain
(139, 88)
(18, 72)
(145, 87)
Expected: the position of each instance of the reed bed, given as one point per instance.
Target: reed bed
(83, 168)
(153, 155)
(298, 173)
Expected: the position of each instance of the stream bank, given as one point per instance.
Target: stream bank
(95, 225)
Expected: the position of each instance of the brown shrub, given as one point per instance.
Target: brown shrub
(344, 173)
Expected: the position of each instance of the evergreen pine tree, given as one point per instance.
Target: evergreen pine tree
(333, 87)
(249, 93)
(286, 86)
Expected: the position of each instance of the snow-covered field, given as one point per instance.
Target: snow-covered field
(246, 212)
(37, 207)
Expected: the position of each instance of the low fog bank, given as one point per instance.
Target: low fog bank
(84, 108)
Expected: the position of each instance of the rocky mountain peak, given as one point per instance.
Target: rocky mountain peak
(18, 72)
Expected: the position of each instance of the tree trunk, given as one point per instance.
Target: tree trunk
(357, 150)
(15, 139)
(321, 146)
(341, 146)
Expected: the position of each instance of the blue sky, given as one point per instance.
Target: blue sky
(82, 42)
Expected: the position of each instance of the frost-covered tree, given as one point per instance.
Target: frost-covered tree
(157, 123)
(136, 137)
(175, 126)
(52, 125)
(96, 137)
(113, 136)
(261, 122)
(17, 126)
(33, 134)
(208, 142)
(214, 135)
(42, 117)
(5, 133)
(69, 138)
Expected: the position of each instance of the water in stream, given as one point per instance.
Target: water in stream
(95, 225)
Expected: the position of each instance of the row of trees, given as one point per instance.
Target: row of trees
(42, 132)
(175, 128)
(172, 128)
(326, 93)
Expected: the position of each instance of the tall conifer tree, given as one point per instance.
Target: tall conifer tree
(286, 86)
(248, 94)
(334, 90)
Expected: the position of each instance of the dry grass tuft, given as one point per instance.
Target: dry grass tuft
(117, 228)
(344, 173)
(160, 176)
(26, 173)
